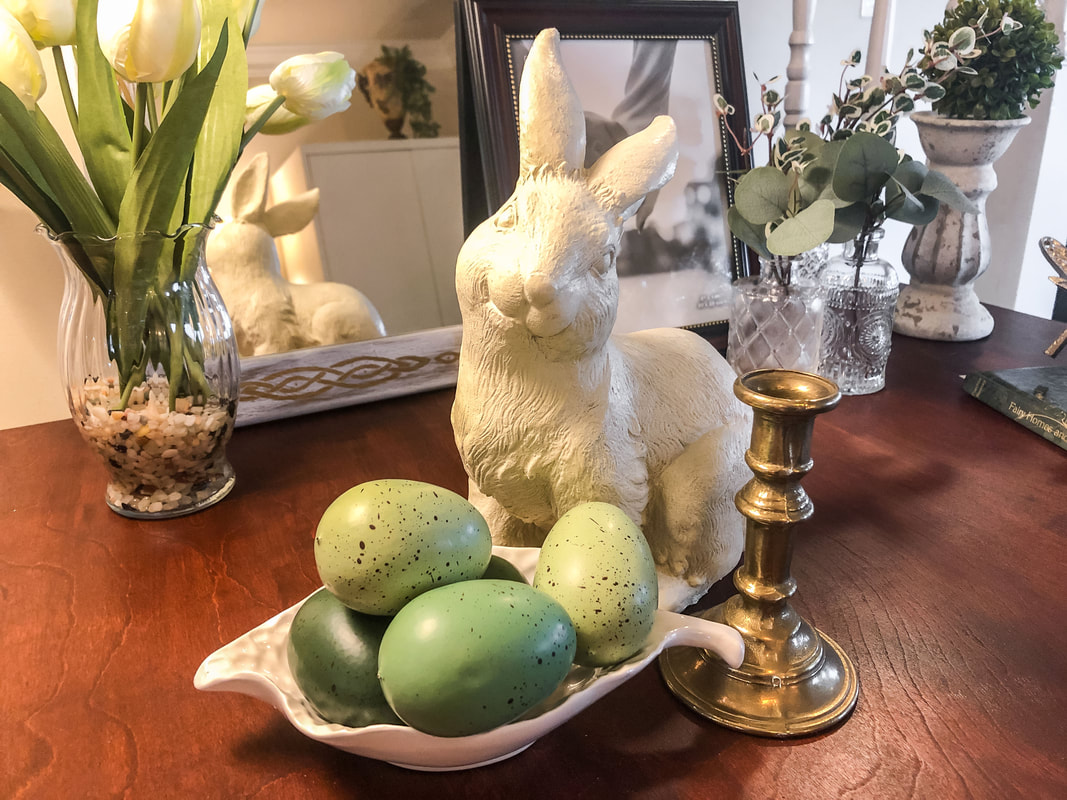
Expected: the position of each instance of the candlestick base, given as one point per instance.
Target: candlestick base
(814, 696)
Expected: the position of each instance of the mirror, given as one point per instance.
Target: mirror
(390, 216)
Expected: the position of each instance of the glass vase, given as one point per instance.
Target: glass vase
(776, 318)
(149, 361)
(861, 293)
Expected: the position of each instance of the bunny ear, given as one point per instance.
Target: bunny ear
(636, 166)
(249, 189)
(551, 122)
(290, 216)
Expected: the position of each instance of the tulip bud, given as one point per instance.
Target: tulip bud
(314, 86)
(281, 121)
(21, 70)
(50, 23)
(149, 41)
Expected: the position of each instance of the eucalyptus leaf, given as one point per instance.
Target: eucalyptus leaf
(103, 136)
(848, 222)
(901, 204)
(937, 184)
(806, 231)
(863, 167)
(762, 195)
(750, 234)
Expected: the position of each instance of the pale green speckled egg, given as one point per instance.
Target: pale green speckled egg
(469, 657)
(597, 564)
(384, 542)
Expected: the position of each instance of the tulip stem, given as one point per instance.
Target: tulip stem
(138, 120)
(275, 104)
(64, 85)
(150, 104)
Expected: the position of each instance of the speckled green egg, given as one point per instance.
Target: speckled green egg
(469, 657)
(597, 564)
(333, 657)
(384, 542)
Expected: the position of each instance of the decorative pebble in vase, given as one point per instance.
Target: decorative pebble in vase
(861, 291)
(776, 317)
(160, 420)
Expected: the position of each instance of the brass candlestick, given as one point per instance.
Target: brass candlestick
(795, 680)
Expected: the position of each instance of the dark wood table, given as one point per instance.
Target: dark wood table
(936, 558)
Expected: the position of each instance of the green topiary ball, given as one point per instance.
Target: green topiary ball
(1013, 68)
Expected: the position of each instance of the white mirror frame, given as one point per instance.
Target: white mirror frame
(320, 378)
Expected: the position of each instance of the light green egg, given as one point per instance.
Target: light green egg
(597, 564)
(384, 542)
(469, 657)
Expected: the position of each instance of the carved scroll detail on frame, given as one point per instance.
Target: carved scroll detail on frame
(304, 381)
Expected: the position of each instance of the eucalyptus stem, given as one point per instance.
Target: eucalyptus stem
(64, 85)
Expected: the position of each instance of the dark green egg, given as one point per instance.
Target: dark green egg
(503, 570)
(333, 656)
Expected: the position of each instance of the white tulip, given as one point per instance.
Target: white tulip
(314, 86)
(149, 41)
(281, 121)
(50, 23)
(21, 70)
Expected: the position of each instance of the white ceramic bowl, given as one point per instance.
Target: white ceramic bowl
(256, 664)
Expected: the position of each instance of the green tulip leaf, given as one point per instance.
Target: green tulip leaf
(219, 144)
(863, 167)
(937, 184)
(762, 195)
(750, 234)
(159, 175)
(31, 193)
(103, 136)
(149, 203)
(41, 145)
(848, 222)
(806, 231)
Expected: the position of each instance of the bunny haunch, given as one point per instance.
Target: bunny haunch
(553, 411)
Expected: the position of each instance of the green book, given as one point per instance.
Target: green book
(1035, 397)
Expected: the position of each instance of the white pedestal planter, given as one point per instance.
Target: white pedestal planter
(945, 257)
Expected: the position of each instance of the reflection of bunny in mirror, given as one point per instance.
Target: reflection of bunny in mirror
(269, 314)
(551, 410)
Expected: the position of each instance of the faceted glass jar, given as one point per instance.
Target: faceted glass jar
(161, 427)
(776, 319)
(861, 293)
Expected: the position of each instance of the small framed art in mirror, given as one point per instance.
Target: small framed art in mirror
(629, 61)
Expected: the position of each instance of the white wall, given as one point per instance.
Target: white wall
(31, 283)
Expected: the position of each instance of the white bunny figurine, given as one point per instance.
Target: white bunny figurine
(551, 410)
(270, 314)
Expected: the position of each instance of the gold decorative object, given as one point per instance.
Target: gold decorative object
(794, 680)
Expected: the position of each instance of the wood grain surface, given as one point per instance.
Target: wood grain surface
(936, 557)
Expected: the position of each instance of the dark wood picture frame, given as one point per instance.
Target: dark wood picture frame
(486, 30)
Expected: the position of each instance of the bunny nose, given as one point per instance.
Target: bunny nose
(540, 291)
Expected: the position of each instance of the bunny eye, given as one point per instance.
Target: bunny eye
(505, 218)
(604, 264)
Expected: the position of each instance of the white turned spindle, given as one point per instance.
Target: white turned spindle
(881, 35)
(800, 42)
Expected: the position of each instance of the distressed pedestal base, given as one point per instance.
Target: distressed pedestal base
(943, 313)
